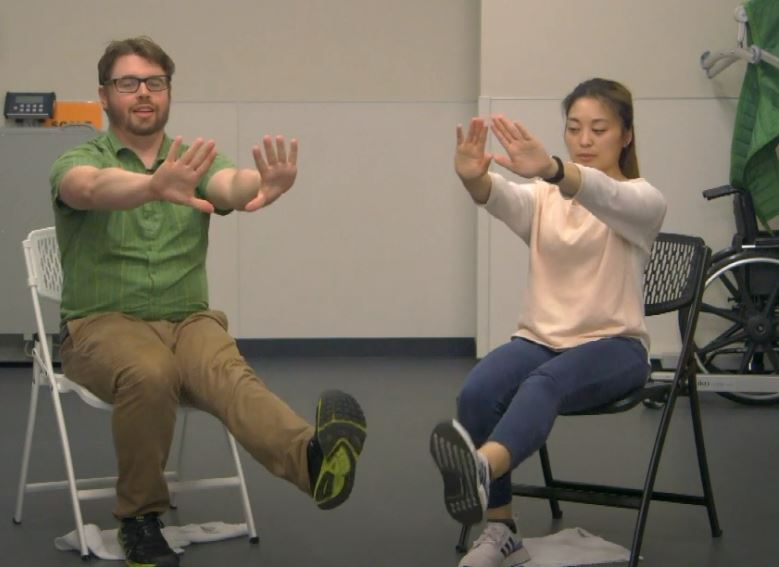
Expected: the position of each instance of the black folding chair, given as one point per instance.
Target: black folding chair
(673, 281)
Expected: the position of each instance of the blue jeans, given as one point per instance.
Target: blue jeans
(513, 395)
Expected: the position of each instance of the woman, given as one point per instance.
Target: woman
(581, 342)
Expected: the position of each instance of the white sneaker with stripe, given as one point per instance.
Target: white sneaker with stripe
(497, 546)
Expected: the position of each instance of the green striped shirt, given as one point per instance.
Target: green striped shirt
(149, 262)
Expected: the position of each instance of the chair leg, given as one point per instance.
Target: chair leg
(546, 468)
(70, 472)
(247, 507)
(181, 426)
(461, 546)
(708, 493)
(649, 482)
(28, 436)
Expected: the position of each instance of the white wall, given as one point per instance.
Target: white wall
(252, 50)
(533, 54)
(375, 239)
(542, 49)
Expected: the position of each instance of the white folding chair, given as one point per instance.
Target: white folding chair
(44, 278)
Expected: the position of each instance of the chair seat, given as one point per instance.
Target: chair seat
(651, 391)
(64, 385)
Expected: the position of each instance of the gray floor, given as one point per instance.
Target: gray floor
(395, 516)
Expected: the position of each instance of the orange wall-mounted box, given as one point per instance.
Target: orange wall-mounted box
(76, 112)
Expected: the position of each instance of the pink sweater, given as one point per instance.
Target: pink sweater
(587, 255)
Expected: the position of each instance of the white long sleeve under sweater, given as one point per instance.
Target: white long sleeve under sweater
(587, 255)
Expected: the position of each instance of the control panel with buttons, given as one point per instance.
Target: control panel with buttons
(21, 106)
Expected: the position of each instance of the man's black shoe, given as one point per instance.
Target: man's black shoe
(143, 543)
(338, 442)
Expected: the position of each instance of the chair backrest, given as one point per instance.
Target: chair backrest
(674, 276)
(44, 271)
(44, 278)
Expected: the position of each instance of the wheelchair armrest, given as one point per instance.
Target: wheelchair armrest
(763, 242)
(716, 192)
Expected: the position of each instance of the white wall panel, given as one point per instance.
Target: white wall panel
(253, 50)
(376, 238)
(542, 49)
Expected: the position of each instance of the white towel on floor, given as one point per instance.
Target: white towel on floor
(572, 547)
(105, 545)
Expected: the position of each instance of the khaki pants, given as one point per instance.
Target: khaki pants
(146, 368)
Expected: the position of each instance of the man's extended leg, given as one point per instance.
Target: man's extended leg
(319, 460)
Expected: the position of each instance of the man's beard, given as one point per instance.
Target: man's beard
(127, 122)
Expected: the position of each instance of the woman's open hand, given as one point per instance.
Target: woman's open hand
(526, 155)
(470, 160)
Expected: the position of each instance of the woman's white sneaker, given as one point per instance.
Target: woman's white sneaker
(497, 546)
(465, 472)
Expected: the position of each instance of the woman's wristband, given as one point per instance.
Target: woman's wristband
(557, 177)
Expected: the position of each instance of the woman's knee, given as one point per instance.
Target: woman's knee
(472, 396)
(477, 406)
(529, 419)
(541, 391)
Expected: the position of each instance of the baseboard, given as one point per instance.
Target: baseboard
(348, 347)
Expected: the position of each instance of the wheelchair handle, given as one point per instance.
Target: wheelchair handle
(716, 192)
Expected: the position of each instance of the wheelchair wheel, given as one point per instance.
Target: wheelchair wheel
(737, 325)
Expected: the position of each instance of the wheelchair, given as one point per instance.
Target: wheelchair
(737, 335)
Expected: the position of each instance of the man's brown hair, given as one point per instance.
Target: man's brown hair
(142, 46)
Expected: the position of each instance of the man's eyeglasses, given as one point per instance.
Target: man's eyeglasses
(155, 83)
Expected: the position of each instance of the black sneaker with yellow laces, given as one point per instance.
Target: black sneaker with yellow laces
(143, 543)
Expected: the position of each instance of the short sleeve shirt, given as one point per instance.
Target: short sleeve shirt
(149, 261)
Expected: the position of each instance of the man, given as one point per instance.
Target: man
(132, 212)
